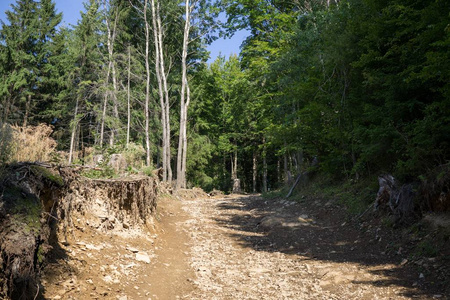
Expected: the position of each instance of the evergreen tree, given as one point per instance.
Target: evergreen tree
(20, 60)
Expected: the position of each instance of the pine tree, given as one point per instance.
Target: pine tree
(20, 60)
(84, 49)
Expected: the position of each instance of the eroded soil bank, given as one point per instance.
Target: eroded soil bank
(43, 207)
(242, 247)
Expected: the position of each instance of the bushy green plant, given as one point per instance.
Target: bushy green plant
(105, 172)
(148, 170)
(134, 155)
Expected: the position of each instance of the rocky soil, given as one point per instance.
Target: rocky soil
(240, 247)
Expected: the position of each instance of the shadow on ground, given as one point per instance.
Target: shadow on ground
(315, 230)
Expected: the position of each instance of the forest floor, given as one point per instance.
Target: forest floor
(242, 247)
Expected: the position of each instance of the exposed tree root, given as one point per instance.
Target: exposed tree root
(38, 200)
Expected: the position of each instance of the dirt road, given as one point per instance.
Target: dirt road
(241, 247)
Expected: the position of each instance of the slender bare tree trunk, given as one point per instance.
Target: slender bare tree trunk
(264, 187)
(74, 130)
(184, 103)
(287, 177)
(128, 97)
(235, 163)
(166, 93)
(158, 57)
(147, 85)
(180, 175)
(255, 171)
(115, 103)
(184, 158)
(110, 43)
(105, 105)
(279, 175)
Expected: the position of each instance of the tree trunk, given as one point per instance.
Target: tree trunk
(74, 129)
(234, 178)
(105, 105)
(27, 111)
(147, 86)
(184, 104)
(116, 105)
(128, 97)
(166, 94)
(285, 166)
(110, 44)
(180, 176)
(234, 165)
(184, 159)
(279, 175)
(265, 189)
(158, 55)
(255, 171)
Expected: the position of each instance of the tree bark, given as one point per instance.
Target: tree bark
(255, 171)
(163, 89)
(128, 97)
(166, 94)
(74, 129)
(110, 44)
(147, 85)
(285, 166)
(184, 103)
(188, 100)
(105, 105)
(158, 55)
(264, 169)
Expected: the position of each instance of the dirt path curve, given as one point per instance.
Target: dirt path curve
(249, 248)
(241, 247)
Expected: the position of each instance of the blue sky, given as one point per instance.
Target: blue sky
(71, 12)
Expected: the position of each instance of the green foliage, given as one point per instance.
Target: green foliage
(148, 170)
(364, 86)
(134, 155)
(28, 59)
(105, 172)
(47, 174)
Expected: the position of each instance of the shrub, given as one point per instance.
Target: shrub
(134, 155)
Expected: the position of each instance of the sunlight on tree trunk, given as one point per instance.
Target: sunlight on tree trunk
(184, 103)
(147, 86)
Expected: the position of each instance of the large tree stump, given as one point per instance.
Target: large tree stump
(398, 200)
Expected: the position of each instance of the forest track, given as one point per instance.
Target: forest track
(245, 247)
(240, 247)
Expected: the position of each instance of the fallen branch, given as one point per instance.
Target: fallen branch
(297, 180)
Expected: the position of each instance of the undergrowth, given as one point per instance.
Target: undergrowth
(105, 172)
(354, 195)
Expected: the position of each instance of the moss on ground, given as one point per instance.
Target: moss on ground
(25, 209)
(47, 174)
